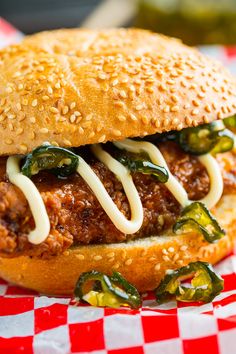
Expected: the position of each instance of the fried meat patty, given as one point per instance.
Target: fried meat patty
(76, 216)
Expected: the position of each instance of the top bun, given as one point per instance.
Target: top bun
(76, 87)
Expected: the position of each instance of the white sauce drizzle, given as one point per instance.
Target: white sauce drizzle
(41, 231)
(31, 193)
(119, 220)
(213, 169)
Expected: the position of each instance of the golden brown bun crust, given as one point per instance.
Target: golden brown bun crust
(75, 87)
(142, 262)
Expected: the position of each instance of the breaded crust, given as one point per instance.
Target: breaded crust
(142, 262)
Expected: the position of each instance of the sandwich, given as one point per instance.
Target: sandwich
(117, 155)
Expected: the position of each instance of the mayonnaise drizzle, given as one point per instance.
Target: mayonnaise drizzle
(42, 223)
(216, 182)
(41, 231)
(119, 220)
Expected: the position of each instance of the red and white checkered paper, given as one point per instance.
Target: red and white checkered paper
(30, 323)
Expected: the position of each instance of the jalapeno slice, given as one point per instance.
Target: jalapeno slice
(197, 216)
(205, 284)
(111, 291)
(145, 167)
(205, 138)
(230, 122)
(59, 161)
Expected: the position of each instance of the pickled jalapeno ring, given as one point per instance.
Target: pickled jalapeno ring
(197, 217)
(204, 139)
(205, 284)
(145, 167)
(59, 161)
(111, 291)
(225, 142)
(230, 122)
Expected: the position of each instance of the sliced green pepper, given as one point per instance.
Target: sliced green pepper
(111, 291)
(145, 167)
(59, 161)
(205, 138)
(230, 122)
(197, 216)
(205, 285)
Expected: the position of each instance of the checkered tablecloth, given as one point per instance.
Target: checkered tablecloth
(30, 323)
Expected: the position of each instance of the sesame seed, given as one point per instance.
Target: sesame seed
(157, 267)
(57, 85)
(205, 119)
(44, 130)
(40, 68)
(121, 118)
(72, 105)
(32, 119)
(34, 102)
(117, 132)
(207, 108)
(119, 104)
(166, 258)
(174, 109)
(164, 251)
(20, 87)
(53, 110)
(23, 148)
(174, 98)
(176, 256)
(18, 106)
(72, 118)
(170, 82)
(195, 112)
(45, 98)
(9, 89)
(122, 94)
(171, 249)
(67, 142)
(50, 90)
(179, 126)
(65, 110)
(19, 131)
(139, 107)
(111, 254)
(102, 138)
(80, 257)
(11, 116)
(128, 262)
(81, 131)
(97, 258)
(196, 103)
(116, 266)
(166, 109)
(102, 76)
(6, 110)
(149, 89)
(77, 113)
(144, 119)
(132, 117)
(183, 248)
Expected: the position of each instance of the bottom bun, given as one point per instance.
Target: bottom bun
(142, 262)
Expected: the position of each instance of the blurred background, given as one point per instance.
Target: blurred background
(195, 21)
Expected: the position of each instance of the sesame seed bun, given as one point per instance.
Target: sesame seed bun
(75, 87)
(142, 262)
